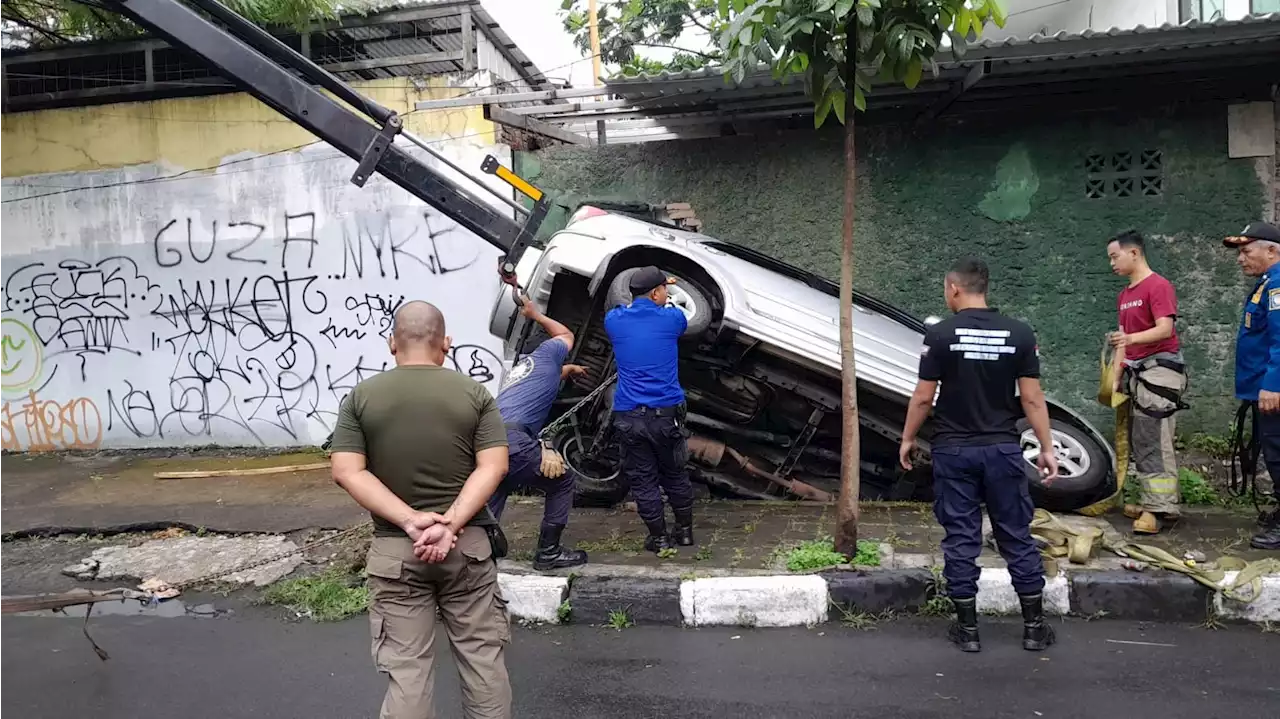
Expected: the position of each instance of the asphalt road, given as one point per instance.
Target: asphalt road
(258, 666)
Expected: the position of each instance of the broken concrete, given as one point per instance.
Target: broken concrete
(189, 558)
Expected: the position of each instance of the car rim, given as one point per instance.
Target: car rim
(1073, 458)
(682, 301)
(588, 468)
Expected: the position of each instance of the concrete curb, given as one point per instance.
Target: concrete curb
(804, 599)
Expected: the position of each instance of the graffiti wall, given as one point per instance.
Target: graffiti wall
(233, 309)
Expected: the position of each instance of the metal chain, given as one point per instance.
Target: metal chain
(564, 418)
(269, 560)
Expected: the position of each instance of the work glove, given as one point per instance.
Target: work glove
(552, 463)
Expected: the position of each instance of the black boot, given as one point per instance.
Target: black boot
(1267, 539)
(657, 540)
(1036, 634)
(964, 630)
(551, 554)
(683, 534)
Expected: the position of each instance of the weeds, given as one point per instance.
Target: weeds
(324, 597)
(704, 553)
(668, 553)
(738, 555)
(937, 603)
(1217, 446)
(1269, 628)
(615, 542)
(619, 619)
(688, 576)
(564, 612)
(862, 621)
(821, 553)
(1195, 490)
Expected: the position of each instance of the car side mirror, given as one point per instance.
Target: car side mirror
(931, 320)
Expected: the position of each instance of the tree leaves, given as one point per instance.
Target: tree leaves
(894, 42)
(34, 23)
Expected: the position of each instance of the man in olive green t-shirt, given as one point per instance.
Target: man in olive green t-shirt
(422, 448)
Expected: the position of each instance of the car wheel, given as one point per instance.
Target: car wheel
(597, 478)
(1084, 468)
(684, 296)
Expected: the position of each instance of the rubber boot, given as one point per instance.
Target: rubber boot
(657, 539)
(683, 534)
(1147, 523)
(963, 632)
(1267, 539)
(553, 555)
(1036, 634)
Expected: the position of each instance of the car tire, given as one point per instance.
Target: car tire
(594, 484)
(1091, 480)
(693, 298)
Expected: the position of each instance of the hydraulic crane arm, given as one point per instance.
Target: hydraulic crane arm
(265, 67)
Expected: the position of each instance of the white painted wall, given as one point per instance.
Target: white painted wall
(235, 309)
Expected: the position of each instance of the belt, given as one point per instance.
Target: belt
(672, 411)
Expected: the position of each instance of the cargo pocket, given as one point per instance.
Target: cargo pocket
(502, 616)
(475, 548)
(383, 566)
(378, 630)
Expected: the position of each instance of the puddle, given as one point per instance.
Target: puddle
(169, 608)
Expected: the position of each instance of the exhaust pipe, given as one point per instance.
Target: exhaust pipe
(710, 452)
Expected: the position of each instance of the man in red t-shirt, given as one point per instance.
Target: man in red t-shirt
(1154, 378)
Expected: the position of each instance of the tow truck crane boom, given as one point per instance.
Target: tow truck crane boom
(265, 67)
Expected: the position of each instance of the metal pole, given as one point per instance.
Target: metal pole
(595, 61)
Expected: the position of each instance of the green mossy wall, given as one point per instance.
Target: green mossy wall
(926, 197)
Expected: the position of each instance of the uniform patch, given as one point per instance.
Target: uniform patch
(522, 369)
(924, 350)
(1273, 299)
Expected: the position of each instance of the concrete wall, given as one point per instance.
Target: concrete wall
(235, 308)
(1014, 195)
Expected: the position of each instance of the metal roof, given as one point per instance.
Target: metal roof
(1227, 56)
(405, 39)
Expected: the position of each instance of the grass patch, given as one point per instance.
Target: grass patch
(1195, 489)
(821, 553)
(324, 597)
(668, 553)
(564, 612)
(619, 619)
(937, 603)
(704, 553)
(615, 542)
(862, 621)
(1217, 446)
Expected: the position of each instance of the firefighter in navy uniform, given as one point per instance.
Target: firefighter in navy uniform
(990, 373)
(1258, 356)
(649, 407)
(525, 400)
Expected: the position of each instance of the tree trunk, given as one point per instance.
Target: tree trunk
(847, 506)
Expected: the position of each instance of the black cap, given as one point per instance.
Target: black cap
(1254, 231)
(647, 279)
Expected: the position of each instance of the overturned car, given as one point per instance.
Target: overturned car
(760, 363)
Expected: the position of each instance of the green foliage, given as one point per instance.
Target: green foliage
(564, 612)
(1217, 446)
(628, 27)
(619, 619)
(1016, 183)
(1195, 490)
(36, 23)
(843, 46)
(325, 597)
(821, 553)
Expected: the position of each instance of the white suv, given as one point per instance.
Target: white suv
(760, 364)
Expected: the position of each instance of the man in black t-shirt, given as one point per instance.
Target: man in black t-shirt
(989, 368)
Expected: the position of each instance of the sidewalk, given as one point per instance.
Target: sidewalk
(735, 574)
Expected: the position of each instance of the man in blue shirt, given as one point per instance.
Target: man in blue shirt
(648, 406)
(1258, 353)
(525, 400)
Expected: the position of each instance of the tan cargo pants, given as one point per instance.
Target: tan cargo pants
(1151, 439)
(405, 597)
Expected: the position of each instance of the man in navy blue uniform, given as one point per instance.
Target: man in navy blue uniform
(989, 367)
(525, 400)
(648, 406)
(1258, 353)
